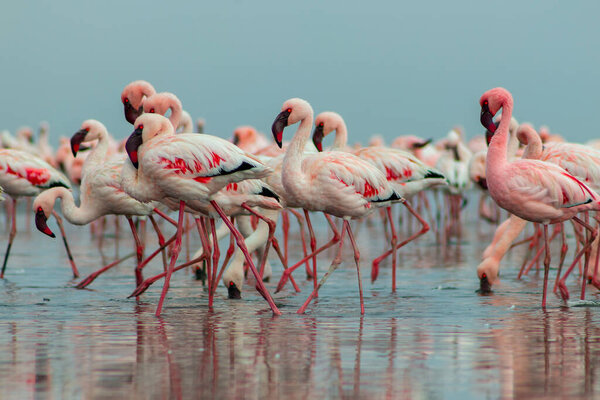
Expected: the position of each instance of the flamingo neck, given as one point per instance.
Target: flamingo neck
(293, 155)
(497, 152)
(341, 136)
(76, 215)
(98, 153)
(175, 116)
(134, 184)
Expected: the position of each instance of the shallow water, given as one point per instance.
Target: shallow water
(434, 338)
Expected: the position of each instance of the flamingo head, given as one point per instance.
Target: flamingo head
(132, 98)
(491, 102)
(147, 126)
(25, 133)
(43, 206)
(160, 103)
(244, 134)
(91, 129)
(292, 111)
(487, 272)
(325, 123)
(200, 125)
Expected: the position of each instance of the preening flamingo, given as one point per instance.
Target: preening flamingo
(133, 96)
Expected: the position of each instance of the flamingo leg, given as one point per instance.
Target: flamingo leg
(11, 237)
(563, 252)
(334, 265)
(228, 255)
(393, 241)
(313, 247)
(242, 245)
(215, 262)
(68, 250)
(161, 241)
(90, 278)
(139, 251)
(561, 284)
(303, 238)
(424, 229)
(287, 273)
(285, 227)
(176, 250)
(357, 262)
(206, 247)
(546, 265)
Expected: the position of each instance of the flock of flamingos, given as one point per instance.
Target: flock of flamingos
(163, 166)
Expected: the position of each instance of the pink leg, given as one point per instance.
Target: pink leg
(215, 262)
(285, 227)
(242, 245)
(357, 262)
(287, 273)
(563, 252)
(394, 240)
(206, 248)
(313, 247)
(334, 265)
(64, 237)
(90, 278)
(139, 251)
(561, 284)
(546, 265)
(161, 241)
(13, 233)
(173, 259)
(424, 229)
(303, 238)
(228, 255)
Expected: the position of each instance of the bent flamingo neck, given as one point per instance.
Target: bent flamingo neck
(341, 136)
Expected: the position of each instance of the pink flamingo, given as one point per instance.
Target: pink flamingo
(531, 189)
(405, 173)
(249, 139)
(133, 96)
(23, 174)
(336, 183)
(188, 169)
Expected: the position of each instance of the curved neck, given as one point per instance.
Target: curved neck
(73, 214)
(497, 152)
(186, 124)
(341, 136)
(293, 155)
(175, 116)
(98, 153)
(533, 142)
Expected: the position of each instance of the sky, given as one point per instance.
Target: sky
(387, 67)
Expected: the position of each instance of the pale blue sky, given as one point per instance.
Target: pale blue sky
(387, 67)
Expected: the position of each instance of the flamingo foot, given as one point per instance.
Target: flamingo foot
(564, 292)
(374, 271)
(88, 280)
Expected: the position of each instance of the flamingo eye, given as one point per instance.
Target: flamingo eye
(141, 127)
(87, 129)
(289, 110)
(321, 124)
(483, 276)
(152, 110)
(485, 103)
(39, 209)
(125, 100)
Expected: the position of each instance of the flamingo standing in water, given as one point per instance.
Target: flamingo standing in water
(531, 189)
(23, 174)
(186, 169)
(404, 172)
(333, 182)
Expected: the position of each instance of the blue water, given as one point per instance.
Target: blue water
(434, 338)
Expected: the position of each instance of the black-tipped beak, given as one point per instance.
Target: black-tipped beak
(76, 140)
(233, 291)
(281, 121)
(318, 137)
(131, 146)
(484, 285)
(236, 139)
(487, 119)
(489, 135)
(40, 222)
(422, 144)
(131, 113)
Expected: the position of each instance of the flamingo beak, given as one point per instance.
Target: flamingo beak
(281, 121)
(131, 146)
(487, 119)
(422, 144)
(233, 291)
(482, 182)
(40, 223)
(76, 140)
(236, 139)
(131, 113)
(484, 285)
(489, 135)
(318, 137)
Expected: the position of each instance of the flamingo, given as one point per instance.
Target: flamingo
(23, 174)
(533, 190)
(161, 103)
(404, 172)
(249, 139)
(336, 183)
(133, 96)
(186, 169)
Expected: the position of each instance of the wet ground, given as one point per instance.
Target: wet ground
(434, 338)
